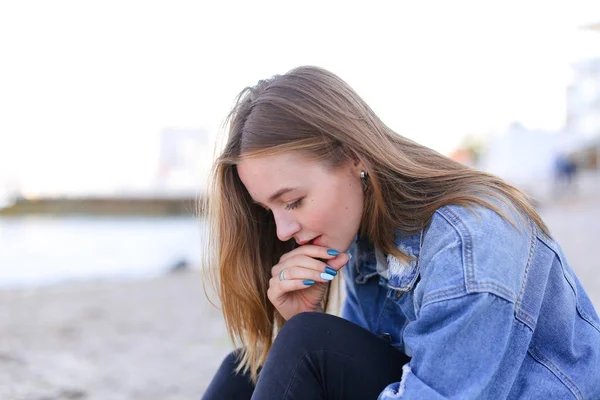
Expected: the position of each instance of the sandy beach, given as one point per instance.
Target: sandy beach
(160, 338)
(148, 339)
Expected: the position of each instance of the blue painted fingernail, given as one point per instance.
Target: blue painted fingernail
(333, 252)
(308, 282)
(327, 277)
(349, 256)
(330, 270)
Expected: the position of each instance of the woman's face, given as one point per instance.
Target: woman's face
(309, 201)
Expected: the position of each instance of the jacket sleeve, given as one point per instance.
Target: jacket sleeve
(457, 347)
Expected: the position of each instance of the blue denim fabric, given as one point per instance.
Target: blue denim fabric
(486, 311)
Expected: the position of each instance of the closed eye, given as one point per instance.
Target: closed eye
(294, 204)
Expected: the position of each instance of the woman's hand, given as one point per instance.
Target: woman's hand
(304, 285)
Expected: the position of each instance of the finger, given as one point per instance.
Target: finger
(300, 273)
(301, 260)
(311, 250)
(277, 288)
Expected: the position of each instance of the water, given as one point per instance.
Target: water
(44, 250)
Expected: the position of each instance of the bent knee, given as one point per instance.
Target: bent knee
(305, 328)
(233, 359)
(307, 321)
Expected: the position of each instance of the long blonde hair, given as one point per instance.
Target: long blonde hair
(313, 111)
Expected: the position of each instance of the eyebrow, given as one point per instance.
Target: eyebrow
(280, 193)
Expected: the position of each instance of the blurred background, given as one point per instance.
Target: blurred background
(109, 113)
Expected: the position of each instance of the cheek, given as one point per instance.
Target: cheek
(336, 212)
(318, 215)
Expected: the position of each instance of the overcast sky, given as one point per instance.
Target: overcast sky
(87, 86)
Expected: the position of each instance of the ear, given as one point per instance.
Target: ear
(354, 163)
(355, 166)
(355, 159)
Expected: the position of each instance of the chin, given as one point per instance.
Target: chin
(342, 247)
(349, 243)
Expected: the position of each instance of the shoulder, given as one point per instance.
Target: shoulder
(482, 230)
(474, 250)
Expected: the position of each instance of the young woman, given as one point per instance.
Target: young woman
(455, 289)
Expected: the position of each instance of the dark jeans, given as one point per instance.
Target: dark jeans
(316, 356)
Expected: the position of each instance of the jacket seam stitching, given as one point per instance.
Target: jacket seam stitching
(546, 362)
(527, 319)
(455, 292)
(573, 286)
(468, 270)
(586, 317)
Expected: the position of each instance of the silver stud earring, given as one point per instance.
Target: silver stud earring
(363, 179)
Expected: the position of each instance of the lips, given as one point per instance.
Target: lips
(316, 241)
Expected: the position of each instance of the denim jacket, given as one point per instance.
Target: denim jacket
(486, 311)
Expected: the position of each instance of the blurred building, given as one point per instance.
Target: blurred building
(523, 155)
(583, 106)
(184, 161)
(594, 27)
(583, 98)
(527, 157)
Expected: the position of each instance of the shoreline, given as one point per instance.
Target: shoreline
(126, 205)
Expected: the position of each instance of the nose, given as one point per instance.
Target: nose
(286, 227)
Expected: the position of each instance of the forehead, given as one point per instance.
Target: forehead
(274, 164)
(264, 175)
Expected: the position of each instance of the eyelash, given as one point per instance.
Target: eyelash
(294, 205)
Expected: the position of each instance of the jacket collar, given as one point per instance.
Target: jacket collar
(402, 276)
